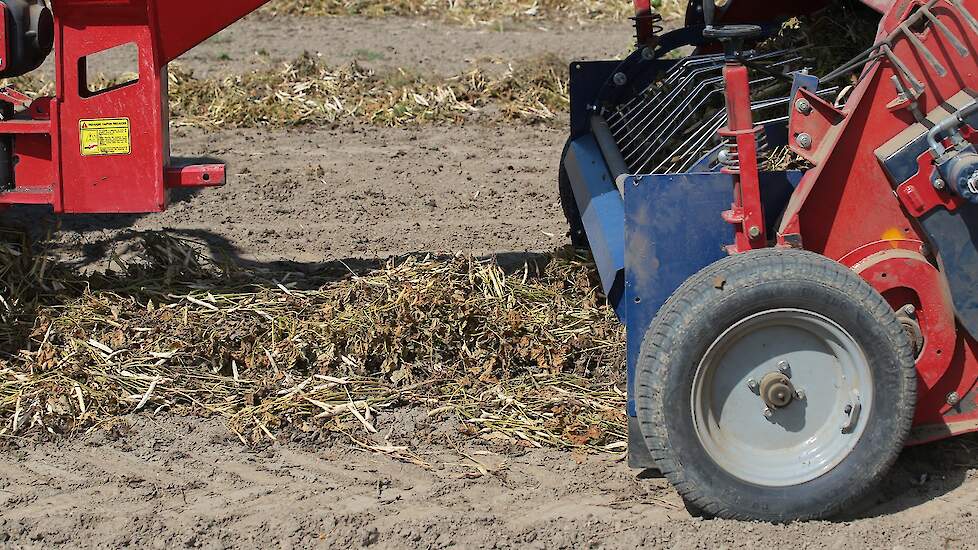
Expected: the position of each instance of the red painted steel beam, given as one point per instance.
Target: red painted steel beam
(644, 26)
(177, 25)
(182, 24)
(746, 213)
(198, 175)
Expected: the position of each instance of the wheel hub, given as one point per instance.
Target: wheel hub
(778, 399)
(776, 390)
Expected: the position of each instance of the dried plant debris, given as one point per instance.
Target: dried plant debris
(532, 355)
(831, 36)
(463, 11)
(305, 91)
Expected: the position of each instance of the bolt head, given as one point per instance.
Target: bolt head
(754, 232)
(768, 413)
(620, 79)
(939, 184)
(784, 367)
(910, 310)
(803, 106)
(953, 398)
(804, 141)
(752, 384)
(800, 394)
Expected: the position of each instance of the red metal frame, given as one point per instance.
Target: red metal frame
(746, 213)
(847, 209)
(51, 166)
(644, 26)
(4, 45)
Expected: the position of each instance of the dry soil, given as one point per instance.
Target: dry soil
(319, 194)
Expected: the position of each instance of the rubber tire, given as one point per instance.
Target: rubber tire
(576, 231)
(709, 303)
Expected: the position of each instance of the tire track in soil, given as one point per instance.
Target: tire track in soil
(171, 481)
(366, 192)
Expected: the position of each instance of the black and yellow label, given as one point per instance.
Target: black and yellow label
(105, 136)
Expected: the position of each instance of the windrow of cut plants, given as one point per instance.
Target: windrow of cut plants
(529, 353)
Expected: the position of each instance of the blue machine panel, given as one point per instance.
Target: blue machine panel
(955, 236)
(673, 229)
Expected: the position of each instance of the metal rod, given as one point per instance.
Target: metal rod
(610, 151)
(919, 45)
(936, 21)
(966, 14)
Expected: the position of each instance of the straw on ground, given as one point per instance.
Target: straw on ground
(533, 355)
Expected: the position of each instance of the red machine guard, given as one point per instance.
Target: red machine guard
(124, 165)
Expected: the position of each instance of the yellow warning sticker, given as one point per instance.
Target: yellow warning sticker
(105, 136)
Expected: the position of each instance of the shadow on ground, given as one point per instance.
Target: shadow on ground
(921, 475)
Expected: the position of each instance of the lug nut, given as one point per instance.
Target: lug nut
(784, 367)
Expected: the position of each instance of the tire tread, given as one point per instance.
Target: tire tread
(689, 302)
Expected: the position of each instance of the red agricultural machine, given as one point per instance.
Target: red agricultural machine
(791, 325)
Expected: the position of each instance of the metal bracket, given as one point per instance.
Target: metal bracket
(852, 413)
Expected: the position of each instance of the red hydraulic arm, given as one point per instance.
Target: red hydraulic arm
(746, 213)
(644, 23)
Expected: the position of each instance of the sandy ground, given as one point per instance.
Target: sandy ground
(364, 192)
(315, 194)
(167, 482)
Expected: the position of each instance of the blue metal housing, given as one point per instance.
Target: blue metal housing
(649, 240)
(602, 213)
(673, 229)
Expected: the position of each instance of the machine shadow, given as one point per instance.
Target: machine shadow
(94, 252)
(922, 474)
(222, 250)
(96, 255)
(38, 221)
